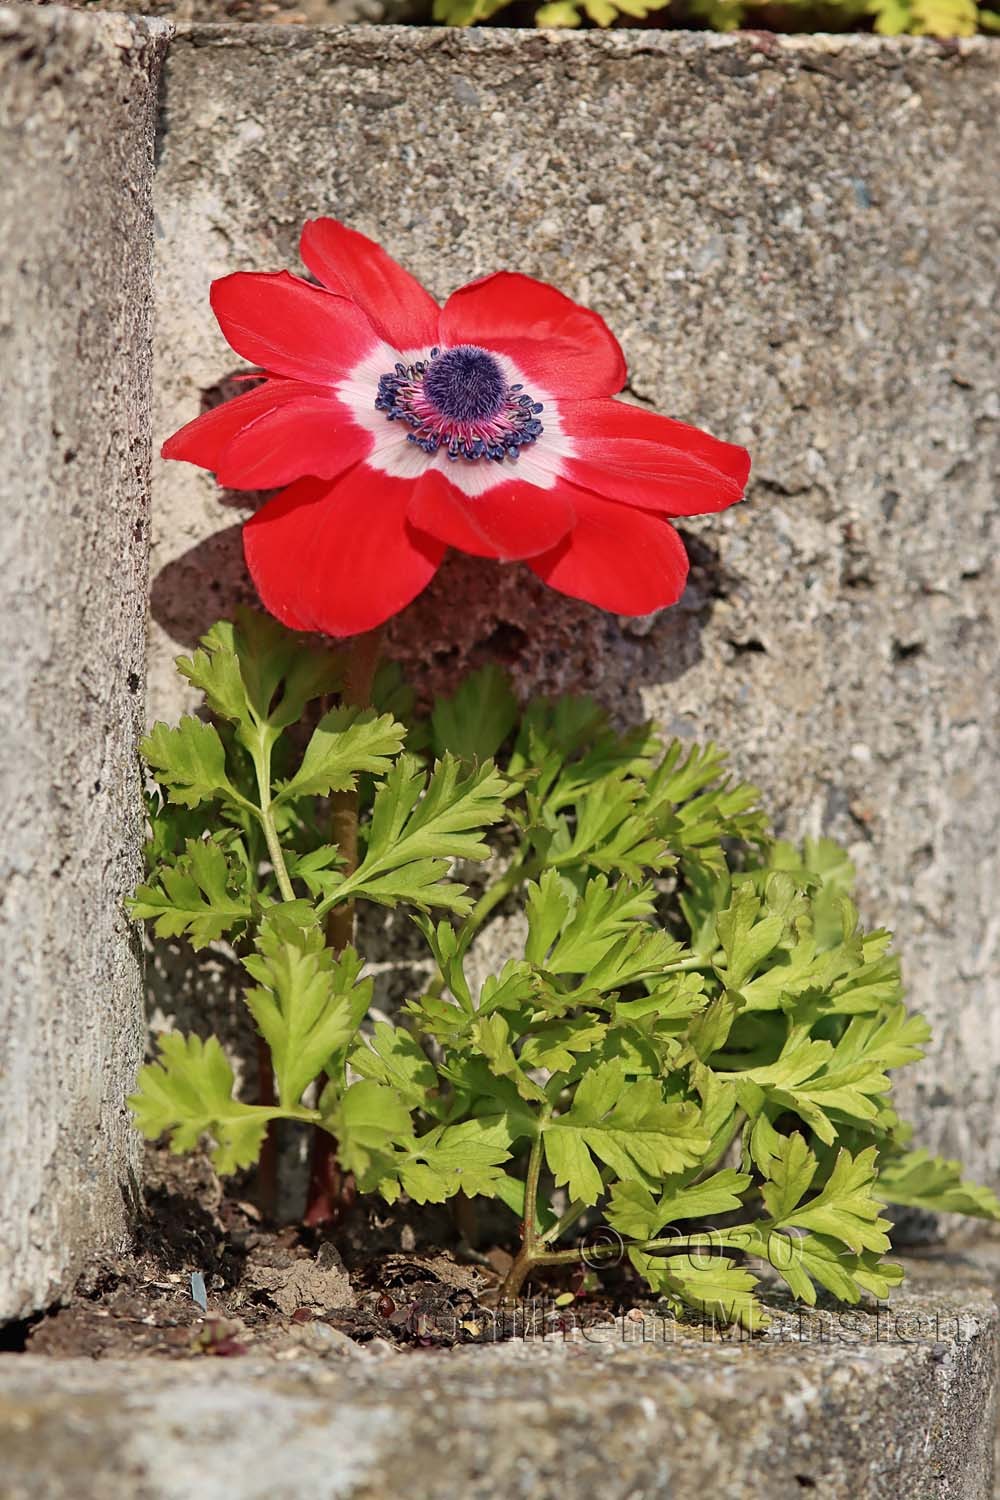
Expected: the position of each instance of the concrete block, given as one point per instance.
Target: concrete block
(77, 107)
(852, 1406)
(793, 238)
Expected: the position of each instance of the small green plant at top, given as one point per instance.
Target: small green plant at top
(942, 18)
(695, 1025)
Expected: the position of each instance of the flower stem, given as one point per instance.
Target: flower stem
(276, 852)
(361, 662)
(329, 1189)
(267, 1172)
(262, 766)
(527, 1256)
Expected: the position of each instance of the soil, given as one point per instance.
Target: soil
(207, 1276)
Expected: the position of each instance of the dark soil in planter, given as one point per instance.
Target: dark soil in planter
(384, 1279)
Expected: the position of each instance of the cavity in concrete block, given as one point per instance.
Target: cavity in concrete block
(77, 109)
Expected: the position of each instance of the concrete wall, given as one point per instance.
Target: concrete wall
(77, 108)
(793, 238)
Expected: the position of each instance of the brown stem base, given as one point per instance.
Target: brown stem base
(267, 1166)
(515, 1278)
(332, 1192)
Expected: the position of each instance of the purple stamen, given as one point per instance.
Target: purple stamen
(459, 400)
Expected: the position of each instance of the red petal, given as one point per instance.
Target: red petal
(287, 325)
(339, 558)
(511, 520)
(203, 440)
(398, 307)
(313, 434)
(619, 558)
(566, 348)
(630, 454)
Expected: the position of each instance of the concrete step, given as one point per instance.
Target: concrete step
(840, 1404)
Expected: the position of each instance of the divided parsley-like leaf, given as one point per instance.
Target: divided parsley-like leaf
(200, 896)
(307, 1004)
(256, 673)
(627, 1125)
(475, 721)
(921, 1180)
(188, 1093)
(189, 762)
(345, 742)
(419, 824)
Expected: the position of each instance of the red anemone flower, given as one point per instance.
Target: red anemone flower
(403, 428)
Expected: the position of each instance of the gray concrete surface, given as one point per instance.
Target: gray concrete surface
(77, 104)
(860, 1407)
(792, 237)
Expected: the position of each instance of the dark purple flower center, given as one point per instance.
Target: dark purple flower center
(460, 400)
(465, 384)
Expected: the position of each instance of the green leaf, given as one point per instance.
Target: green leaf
(254, 672)
(316, 868)
(598, 920)
(932, 1182)
(609, 834)
(515, 985)
(835, 1238)
(872, 985)
(674, 998)
(368, 1120)
(804, 1260)
(814, 1078)
(474, 723)
(557, 13)
(695, 806)
(201, 896)
(709, 1030)
(602, 936)
(307, 1004)
(824, 1260)
(705, 894)
(844, 1208)
(189, 762)
(625, 1123)
(574, 729)
(492, 1038)
(790, 1172)
(188, 1091)
(394, 1057)
(449, 1159)
(345, 742)
(637, 1215)
(828, 865)
(753, 927)
(376, 1142)
(418, 825)
(555, 1045)
(549, 902)
(713, 1286)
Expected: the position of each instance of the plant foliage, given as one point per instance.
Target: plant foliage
(694, 1023)
(943, 18)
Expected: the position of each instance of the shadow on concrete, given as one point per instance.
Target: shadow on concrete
(476, 611)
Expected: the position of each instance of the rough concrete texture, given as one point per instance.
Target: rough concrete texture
(77, 104)
(855, 1407)
(792, 237)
